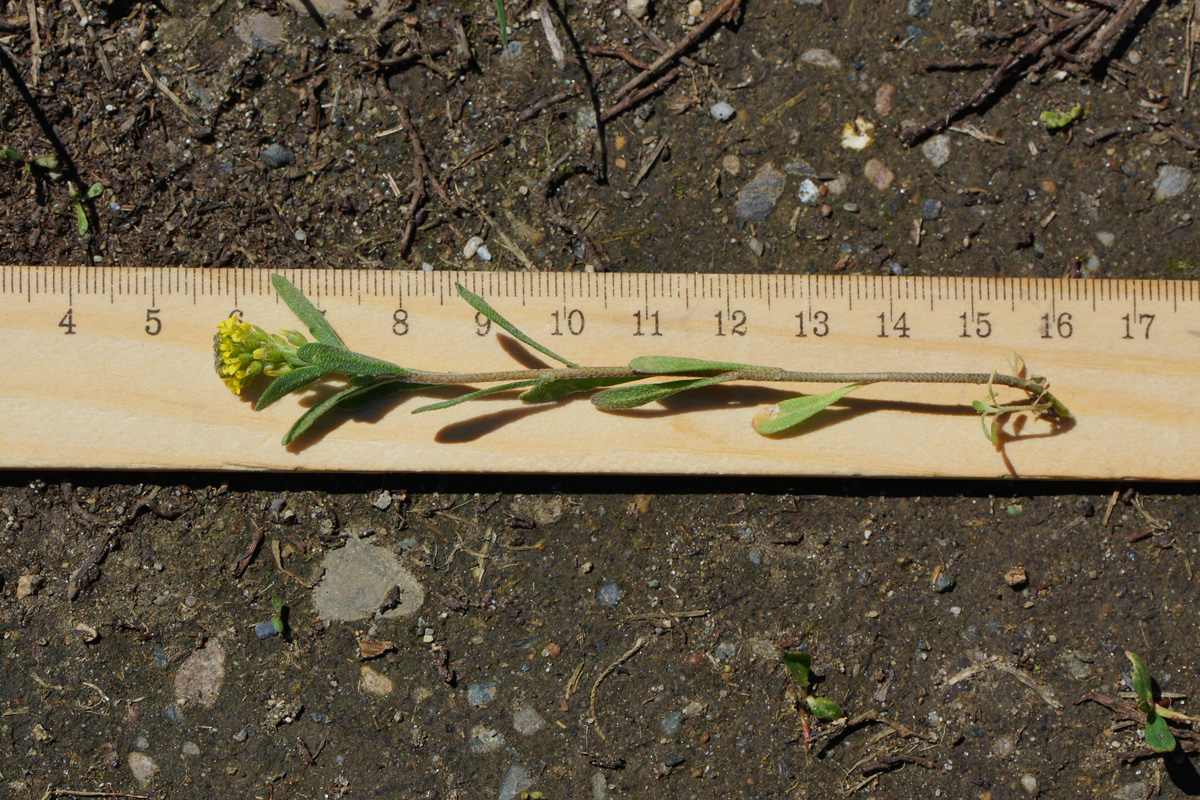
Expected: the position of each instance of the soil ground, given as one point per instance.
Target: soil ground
(589, 638)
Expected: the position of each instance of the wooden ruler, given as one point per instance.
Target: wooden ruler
(112, 368)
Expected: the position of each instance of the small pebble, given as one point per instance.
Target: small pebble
(919, 9)
(265, 630)
(819, 57)
(1029, 784)
(143, 767)
(931, 209)
(1016, 577)
(756, 558)
(732, 164)
(722, 112)
(28, 585)
(671, 723)
(610, 594)
(878, 174)
(374, 682)
(1004, 746)
(809, 192)
(757, 199)
(1132, 791)
(516, 780)
(755, 246)
(1105, 238)
(276, 156)
(552, 650)
(851, 207)
(944, 583)
(673, 761)
(512, 50)
(884, 97)
(725, 651)
(484, 740)
(638, 8)
(191, 749)
(383, 501)
(937, 150)
(527, 722)
(695, 9)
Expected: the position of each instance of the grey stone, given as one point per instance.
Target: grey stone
(931, 209)
(722, 112)
(526, 721)
(358, 577)
(1171, 182)
(809, 192)
(260, 31)
(516, 780)
(485, 740)
(480, 694)
(265, 629)
(944, 583)
(919, 9)
(142, 767)
(200, 677)
(276, 156)
(1105, 238)
(725, 651)
(1134, 790)
(820, 57)
(599, 786)
(610, 594)
(383, 501)
(757, 199)
(936, 150)
(671, 722)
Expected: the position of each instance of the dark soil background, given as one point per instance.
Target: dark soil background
(594, 638)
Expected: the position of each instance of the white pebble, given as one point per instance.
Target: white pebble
(696, 9)
(809, 192)
(722, 112)
(472, 246)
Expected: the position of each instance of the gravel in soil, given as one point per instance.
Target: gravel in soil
(586, 638)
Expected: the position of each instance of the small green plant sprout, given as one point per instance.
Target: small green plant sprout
(800, 665)
(1056, 120)
(47, 167)
(1158, 735)
(243, 351)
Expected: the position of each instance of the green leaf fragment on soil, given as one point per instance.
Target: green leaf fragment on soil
(321, 330)
(790, 413)
(1053, 120)
(1143, 687)
(799, 663)
(1158, 736)
(823, 708)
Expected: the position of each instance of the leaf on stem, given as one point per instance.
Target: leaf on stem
(306, 311)
(481, 305)
(665, 365)
(790, 413)
(377, 390)
(286, 384)
(1158, 735)
(548, 390)
(313, 414)
(335, 358)
(1142, 685)
(504, 387)
(627, 397)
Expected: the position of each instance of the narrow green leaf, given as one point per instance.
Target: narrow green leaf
(791, 413)
(547, 391)
(313, 414)
(335, 358)
(982, 407)
(1158, 735)
(81, 220)
(627, 397)
(11, 156)
(277, 603)
(800, 664)
(823, 708)
(1143, 687)
(661, 365)
(481, 305)
(286, 384)
(306, 311)
(504, 387)
(375, 390)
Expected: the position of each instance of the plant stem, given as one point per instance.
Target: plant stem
(1033, 387)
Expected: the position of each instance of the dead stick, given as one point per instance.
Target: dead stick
(701, 30)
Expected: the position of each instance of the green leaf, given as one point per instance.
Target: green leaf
(660, 365)
(1053, 120)
(11, 156)
(81, 220)
(633, 396)
(504, 387)
(1158, 735)
(306, 311)
(800, 664)
(1143, 687)
(547, 390)
(95, 190)
(46, 162)
(791, 413)
(481, 305)
(288, 383)
(336, 358)
(313, 414)
(823, 708)
(277, 603)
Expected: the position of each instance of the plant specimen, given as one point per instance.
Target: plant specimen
(244, 351)
(47, 167)
(1158, 735)
(800, 665)
(1055, 120)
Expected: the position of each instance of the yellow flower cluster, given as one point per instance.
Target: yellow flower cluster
(242, 351)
